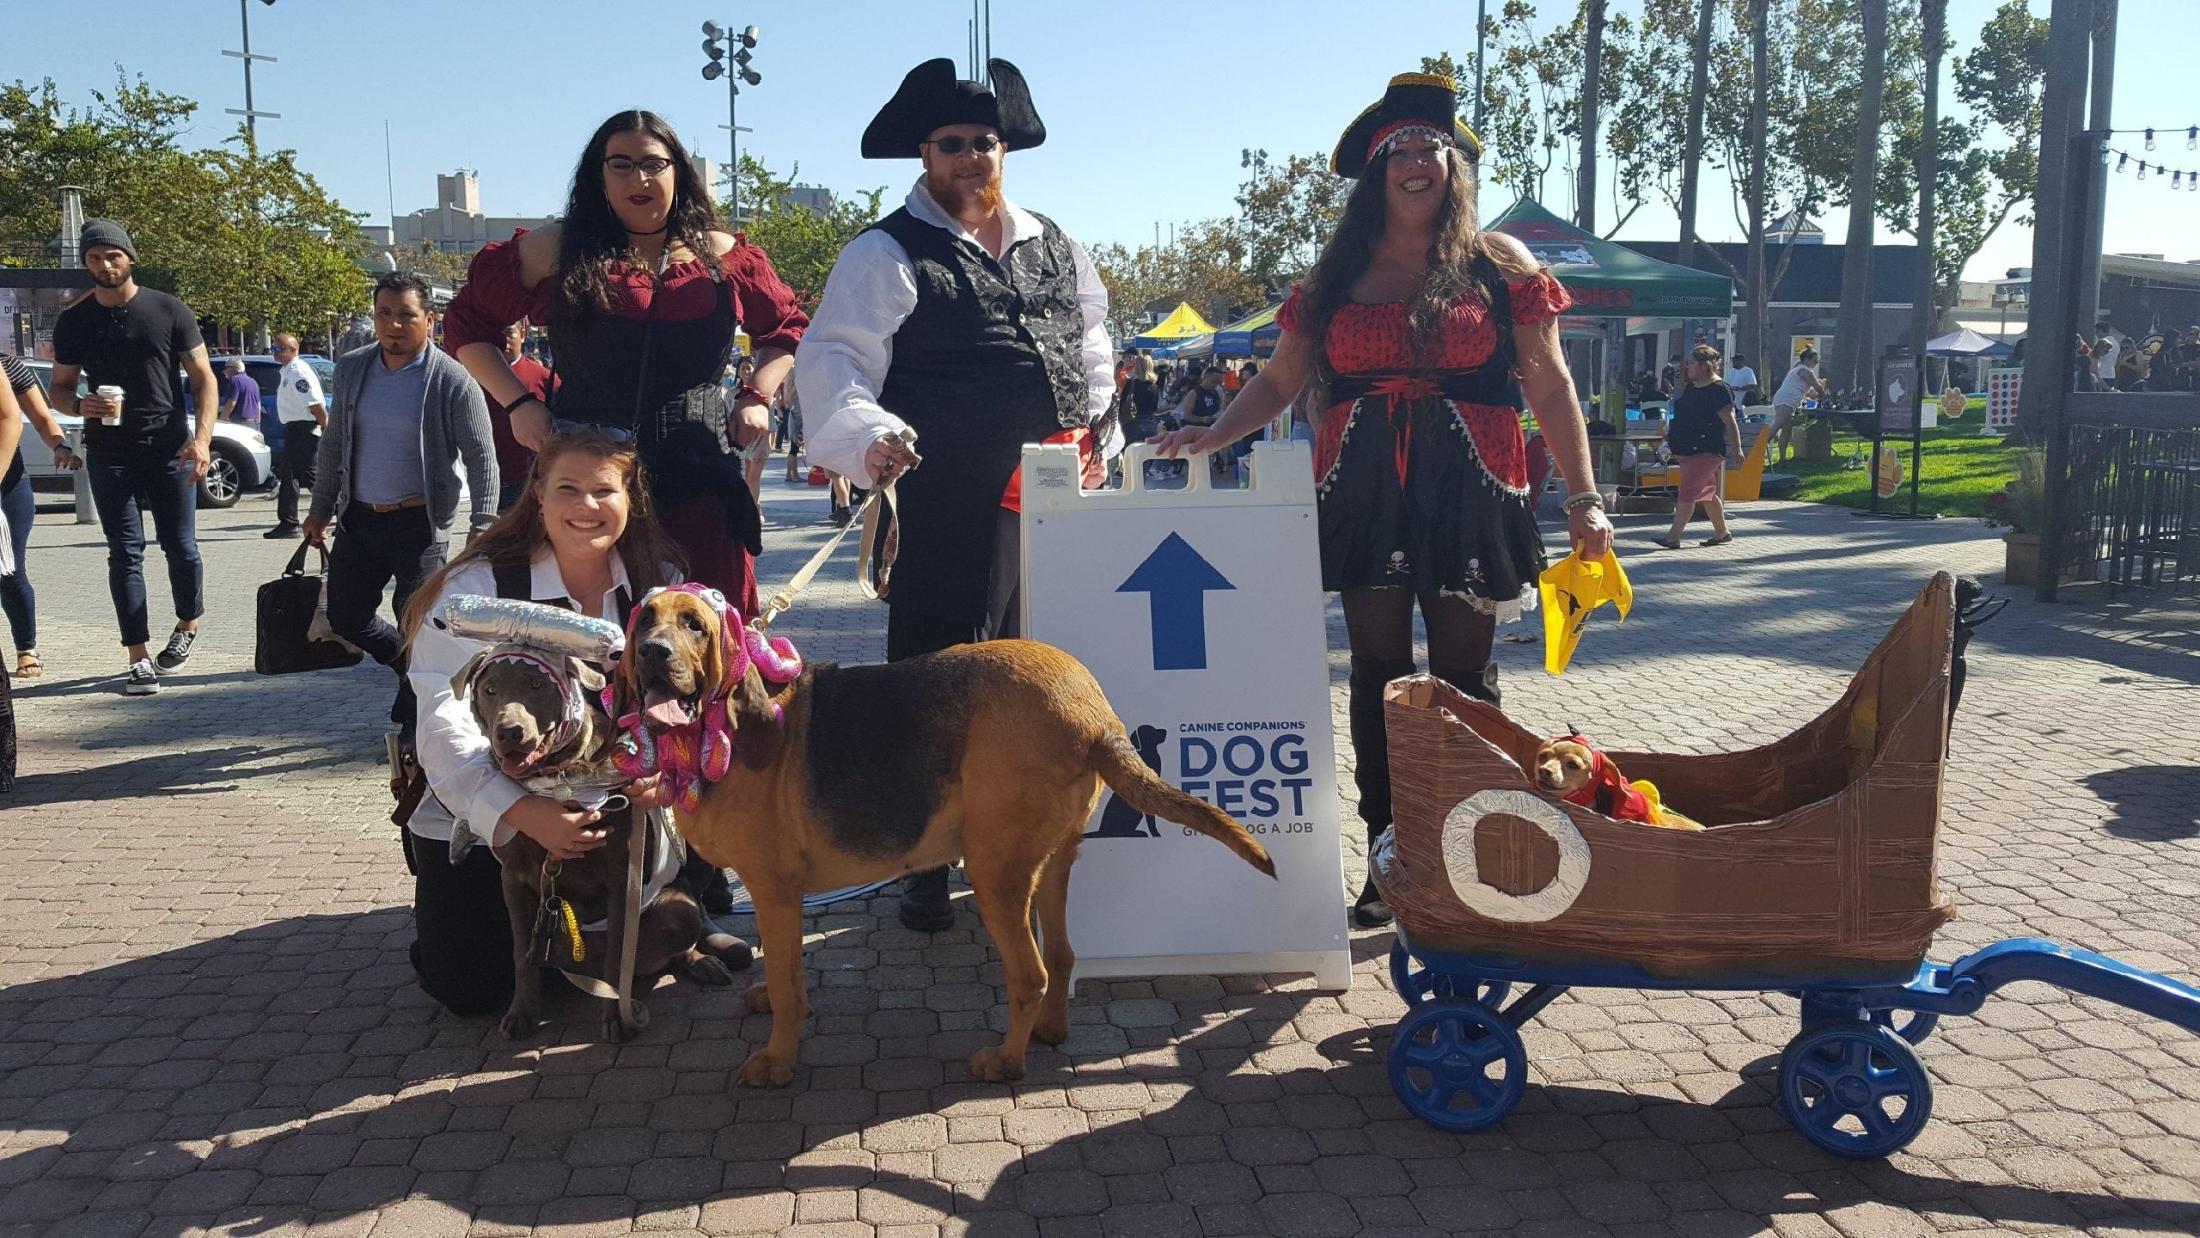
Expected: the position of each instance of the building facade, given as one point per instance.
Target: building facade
(455, 223)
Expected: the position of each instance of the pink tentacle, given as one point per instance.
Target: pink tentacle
(774, 656)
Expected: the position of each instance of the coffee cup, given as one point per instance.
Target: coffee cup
(113, 396)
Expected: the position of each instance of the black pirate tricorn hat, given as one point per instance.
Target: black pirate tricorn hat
(932, 96)
(1425, 100)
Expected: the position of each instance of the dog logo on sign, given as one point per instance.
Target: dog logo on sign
(1118, 819)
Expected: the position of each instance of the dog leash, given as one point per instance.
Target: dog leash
(633, 1015)
(881, 497)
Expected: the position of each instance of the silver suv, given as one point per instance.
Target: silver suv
(241, 460)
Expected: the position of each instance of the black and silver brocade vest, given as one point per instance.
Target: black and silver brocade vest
(990, 359)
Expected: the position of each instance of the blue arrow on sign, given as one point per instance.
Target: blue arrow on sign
(1176, 580)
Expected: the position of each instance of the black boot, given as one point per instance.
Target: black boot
(1371, 769)
(924, 906)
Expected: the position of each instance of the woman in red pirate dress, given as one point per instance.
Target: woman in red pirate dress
(1424, 338)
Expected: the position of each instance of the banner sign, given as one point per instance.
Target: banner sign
(1200, 612)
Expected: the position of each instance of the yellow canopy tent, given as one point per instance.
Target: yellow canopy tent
(1182, 324)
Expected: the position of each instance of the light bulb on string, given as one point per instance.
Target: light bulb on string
(2142, 169)
(2105, 153)
(2150, 139)
(2121, 160)
(2192, 138)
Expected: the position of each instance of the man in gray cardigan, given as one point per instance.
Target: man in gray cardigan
(403, 418)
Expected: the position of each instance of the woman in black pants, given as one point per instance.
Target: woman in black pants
(584, 536)
(23, 395)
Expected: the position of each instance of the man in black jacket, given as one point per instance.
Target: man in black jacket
(978, 324)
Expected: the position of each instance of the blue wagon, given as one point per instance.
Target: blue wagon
(1814, 876)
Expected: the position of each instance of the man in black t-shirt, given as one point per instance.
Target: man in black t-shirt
(141, 451)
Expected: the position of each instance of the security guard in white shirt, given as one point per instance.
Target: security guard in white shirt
(302, 411)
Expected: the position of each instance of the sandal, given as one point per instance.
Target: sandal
(27, 665)
(1721, 540)
(1666, 542)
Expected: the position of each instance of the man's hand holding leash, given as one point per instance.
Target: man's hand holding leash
(889, 457)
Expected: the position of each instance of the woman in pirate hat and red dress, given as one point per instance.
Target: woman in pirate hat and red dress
(1424, 337)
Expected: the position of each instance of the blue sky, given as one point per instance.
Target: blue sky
(1147, 104)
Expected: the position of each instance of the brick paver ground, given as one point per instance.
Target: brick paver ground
(208, 1024)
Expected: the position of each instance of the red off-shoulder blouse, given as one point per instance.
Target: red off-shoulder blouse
(494, 298)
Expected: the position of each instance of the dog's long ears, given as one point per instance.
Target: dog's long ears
(465, 674)
(758, 730)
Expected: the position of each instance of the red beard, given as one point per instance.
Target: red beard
(988, 197)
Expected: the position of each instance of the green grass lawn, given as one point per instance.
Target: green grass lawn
(1961, 467)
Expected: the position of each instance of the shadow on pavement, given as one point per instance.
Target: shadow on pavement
(291, 1074)
(2154, 803)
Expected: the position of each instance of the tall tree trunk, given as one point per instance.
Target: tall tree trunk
(1852, 330)
(1760, 108)
(1924, 316)
(1699, 85)
(1592, 75)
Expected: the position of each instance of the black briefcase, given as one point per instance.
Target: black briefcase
(285, 641)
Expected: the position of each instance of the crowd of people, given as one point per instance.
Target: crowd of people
(634, 459)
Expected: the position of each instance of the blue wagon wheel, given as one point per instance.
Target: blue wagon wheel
(1416, 984)
(1911, 1025)
(1457, 1065)
(1854, 1089)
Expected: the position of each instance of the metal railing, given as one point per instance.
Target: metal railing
(2130, 471)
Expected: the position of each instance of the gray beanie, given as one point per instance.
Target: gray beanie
(105, 232)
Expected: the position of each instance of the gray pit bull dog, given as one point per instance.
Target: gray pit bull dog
(547, 730)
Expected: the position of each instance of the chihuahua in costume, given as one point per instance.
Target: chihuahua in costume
(1572, 768)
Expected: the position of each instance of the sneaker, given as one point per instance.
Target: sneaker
(178, 650)
(143, 680)
(281, 533)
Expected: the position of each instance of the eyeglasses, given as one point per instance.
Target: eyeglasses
(984, 144)
(588, 429)
(652, 167)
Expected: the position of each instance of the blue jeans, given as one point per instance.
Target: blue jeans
(15, 591)
(373, 550)
(127, 485)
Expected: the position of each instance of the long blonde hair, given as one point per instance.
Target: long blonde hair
(519, 535)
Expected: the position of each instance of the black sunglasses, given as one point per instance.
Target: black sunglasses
(984, 144)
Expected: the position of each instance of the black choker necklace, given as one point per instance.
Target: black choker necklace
(653, 231)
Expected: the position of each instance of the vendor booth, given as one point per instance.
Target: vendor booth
(1181, 326)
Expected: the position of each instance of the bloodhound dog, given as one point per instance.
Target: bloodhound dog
(993, 754)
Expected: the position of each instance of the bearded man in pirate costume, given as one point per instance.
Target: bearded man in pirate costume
(981, 326)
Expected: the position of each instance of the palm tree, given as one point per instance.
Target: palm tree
(1760, 109)
(1852, 330)
(1925, 316)
(1699, 86)
(1592, 74)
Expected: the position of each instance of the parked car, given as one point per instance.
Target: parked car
(241, 459)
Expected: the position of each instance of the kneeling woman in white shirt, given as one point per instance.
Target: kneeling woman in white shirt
(581, 536)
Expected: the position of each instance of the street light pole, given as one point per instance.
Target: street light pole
(250, 114)
(718, 41)
(1481, 18)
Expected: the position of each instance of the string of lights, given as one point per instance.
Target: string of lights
(2121, 161)
(2165, 132)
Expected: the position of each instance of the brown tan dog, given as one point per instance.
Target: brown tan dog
(520, 704)
(992, 754)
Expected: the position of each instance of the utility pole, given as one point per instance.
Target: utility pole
(250, 113)
(718, 41)
(1481, 19)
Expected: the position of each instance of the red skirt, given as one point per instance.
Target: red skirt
(1699, 479)
(714, 558)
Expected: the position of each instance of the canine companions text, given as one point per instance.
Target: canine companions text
(993, 754)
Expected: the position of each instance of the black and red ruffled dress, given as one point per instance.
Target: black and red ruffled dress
(1422, 471)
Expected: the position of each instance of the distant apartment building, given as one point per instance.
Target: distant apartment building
(455, 223)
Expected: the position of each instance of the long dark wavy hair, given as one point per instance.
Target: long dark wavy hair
(591, 238)
(1456, 258)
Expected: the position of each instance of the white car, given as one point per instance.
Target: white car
(241, 460)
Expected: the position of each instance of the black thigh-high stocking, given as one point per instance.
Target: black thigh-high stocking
(1379, 625)
(1460, 641)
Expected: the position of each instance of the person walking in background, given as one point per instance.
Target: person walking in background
(144, 454)
(980, 325)
(21, 506)
(1142, 400)
(407, 420)
(1742, 381)
(513, 459)
(1800, 384)
(643, 290)
(1669, 378)
(240, 394)
(1427, 333)
(1703, 436)
(302, 412)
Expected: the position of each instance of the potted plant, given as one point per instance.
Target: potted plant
(2020, 507)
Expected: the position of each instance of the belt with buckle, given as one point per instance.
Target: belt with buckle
(400, 505)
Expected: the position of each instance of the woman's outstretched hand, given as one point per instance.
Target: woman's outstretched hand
(1190, 440)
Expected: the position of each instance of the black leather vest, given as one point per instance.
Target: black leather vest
(990, 359)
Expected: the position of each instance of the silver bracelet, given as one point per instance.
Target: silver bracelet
(1587, 498)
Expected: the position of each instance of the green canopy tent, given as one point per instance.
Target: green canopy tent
(1609, 280)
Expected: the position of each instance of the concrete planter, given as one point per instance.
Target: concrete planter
(2021, 561)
